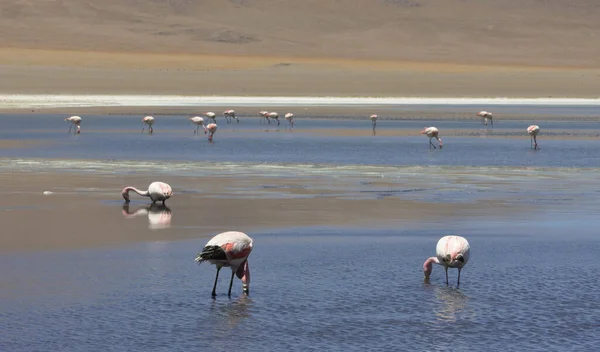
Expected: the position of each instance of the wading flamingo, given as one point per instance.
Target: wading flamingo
(264, 115)
(533, 131)
(230, 115)
(148, 120)
(373, 120)
(230, 249)
(275, 116)
(290, 118)
(157, 191)
(486, 116)
(211, 115)
(432, 132)
(199, 122)
(211, 128)
(451, 252)
(75, 121)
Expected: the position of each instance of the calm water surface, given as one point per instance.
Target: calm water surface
(531, 284)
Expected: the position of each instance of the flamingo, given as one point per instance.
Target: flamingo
(264, 115)
(211, 128)
(432, 132)
(231, 249)
(211, 115)
(75, 121)
(290, 118)
(373, 120)
(274, 115)
(198, 121)
(533, 131)
(486, 116)
(451, 252)
(159, 217)
(229, 115)
(148, 120)
(157, 191)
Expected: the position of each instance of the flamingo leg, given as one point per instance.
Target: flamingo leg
(446, 274)
(71, 126)
(214, 291)
(143, 128)
(535, 142)
(151, 130)
(238, 120)
(231, 283)
(458, 281)
(431, 144)
(163, 202)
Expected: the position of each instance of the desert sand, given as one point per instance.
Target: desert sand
(433, 48)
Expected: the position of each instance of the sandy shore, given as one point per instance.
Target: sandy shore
(87, 210)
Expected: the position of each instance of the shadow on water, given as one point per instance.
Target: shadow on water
(159, 216)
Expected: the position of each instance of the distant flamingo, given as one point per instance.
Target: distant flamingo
(486, 116)
(275, 116)
(432, 132)
(199, 122)
(148, 120)
(230, 115)
(75, 121)
(373, 120)
(290, 118)
(230, 249)
(533, 131)
(451, 252)
(211, 115)
(264, 115)
(157, 191)
(211, 128)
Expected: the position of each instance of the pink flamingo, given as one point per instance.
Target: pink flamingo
(373, 120)
(75, 121)
(432, 132)
(533, 131)
(157, 191)
(149, 121)
(199, 122)
(230, 249)
(264, 115)
(451, 252)
(211, 128)
(486, 116)
(230, 115)
(290, 118)
(275, 116)
(211, 115)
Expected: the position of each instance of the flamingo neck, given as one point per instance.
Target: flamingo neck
(141, 193)
(428, 265)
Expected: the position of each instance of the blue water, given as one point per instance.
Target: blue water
(531, 283)
(119, 138)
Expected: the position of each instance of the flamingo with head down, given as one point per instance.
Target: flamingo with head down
(75, 121)
(148, 121)
(211, 115)
(487, 116)
(432, 132)
(199, 122)
(157, 191)
(211, 128)
(274, 116)
(229, 249)
(230, 116)
(290, 118)
(533, 131)
(451, 252)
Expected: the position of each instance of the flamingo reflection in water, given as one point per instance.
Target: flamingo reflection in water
(159, 216)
